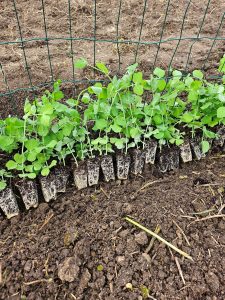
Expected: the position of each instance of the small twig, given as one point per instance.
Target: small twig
(72, 295)
(181, 230)
(147, 184)
(203, 212)
(104, 192)
(179, 269)
(221, 209)
(46, 222)
(207, 218)
(159, 238)
(157, 230)
(207, 184)
(218, 156)
(38, 281)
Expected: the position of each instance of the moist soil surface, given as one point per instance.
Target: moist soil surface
(184, 20)
(81, 247)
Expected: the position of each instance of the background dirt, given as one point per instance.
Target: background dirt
(30, 16)
(85, 233)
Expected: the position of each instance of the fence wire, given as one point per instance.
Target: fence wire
(73, 39)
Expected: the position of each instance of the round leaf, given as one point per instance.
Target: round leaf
(80, 63)
(221, 112)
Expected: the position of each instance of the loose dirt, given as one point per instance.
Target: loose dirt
(80, 246)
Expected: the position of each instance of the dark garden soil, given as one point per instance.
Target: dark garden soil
(30, 16)
(80, 246)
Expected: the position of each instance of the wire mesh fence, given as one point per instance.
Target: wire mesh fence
(40, 40)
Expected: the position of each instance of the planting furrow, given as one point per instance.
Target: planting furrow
(91, 172)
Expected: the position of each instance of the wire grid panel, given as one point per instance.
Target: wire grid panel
(41, 39)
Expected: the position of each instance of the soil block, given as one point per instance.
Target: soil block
(122, 166)
(138, 160)
(8, 203)
(174, 158)
(28, 192)
(219, 142)
(150, 151)
(164, 160)
(196, 148)
(185, 152)
(93, 168)
(48, 187)
(80, 175)
(61, 178)
(107, 168)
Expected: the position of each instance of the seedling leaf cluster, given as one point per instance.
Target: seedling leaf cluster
(116, 115)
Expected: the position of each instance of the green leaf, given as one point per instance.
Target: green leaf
(96, 89)
(198, 74)
(45, 171)
(138, 89)
(5, 142)
(100, 124)
(222, 65)
(187, 118)
(58, 95)
(52, 144)
(137, 77)
(31, 175)
(53, 163)
(134, 132)
(221, 112)
(19, 158)
(80, 63)
(11, 164)
(102, 67)
(86, 98)
(116, 128)
(2, 185)
(31, 144)
(45, 120)
(205, 146)
(159, 72)
(177, 74)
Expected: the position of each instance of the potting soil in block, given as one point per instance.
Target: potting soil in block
(93, 168)
(196, 147)
(174, 158)
(61, 178)
(138, 160)
(122, 166)
(8, 203)
(185, 152)
(80, 176)
(150, 151)
(219, 141)
(107, 168)
(164, 160)
(28, 192)
(48, 187)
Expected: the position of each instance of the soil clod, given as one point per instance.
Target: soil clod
(107, 168)
(29, 193)
(138, 160)
(80, 176)
(93, 168)
(8, 203)
(185, 152)
(150, 151)
(123, 166)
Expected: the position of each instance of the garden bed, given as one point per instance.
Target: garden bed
(109, 255)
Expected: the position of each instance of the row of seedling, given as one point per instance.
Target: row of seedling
(90, 173)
